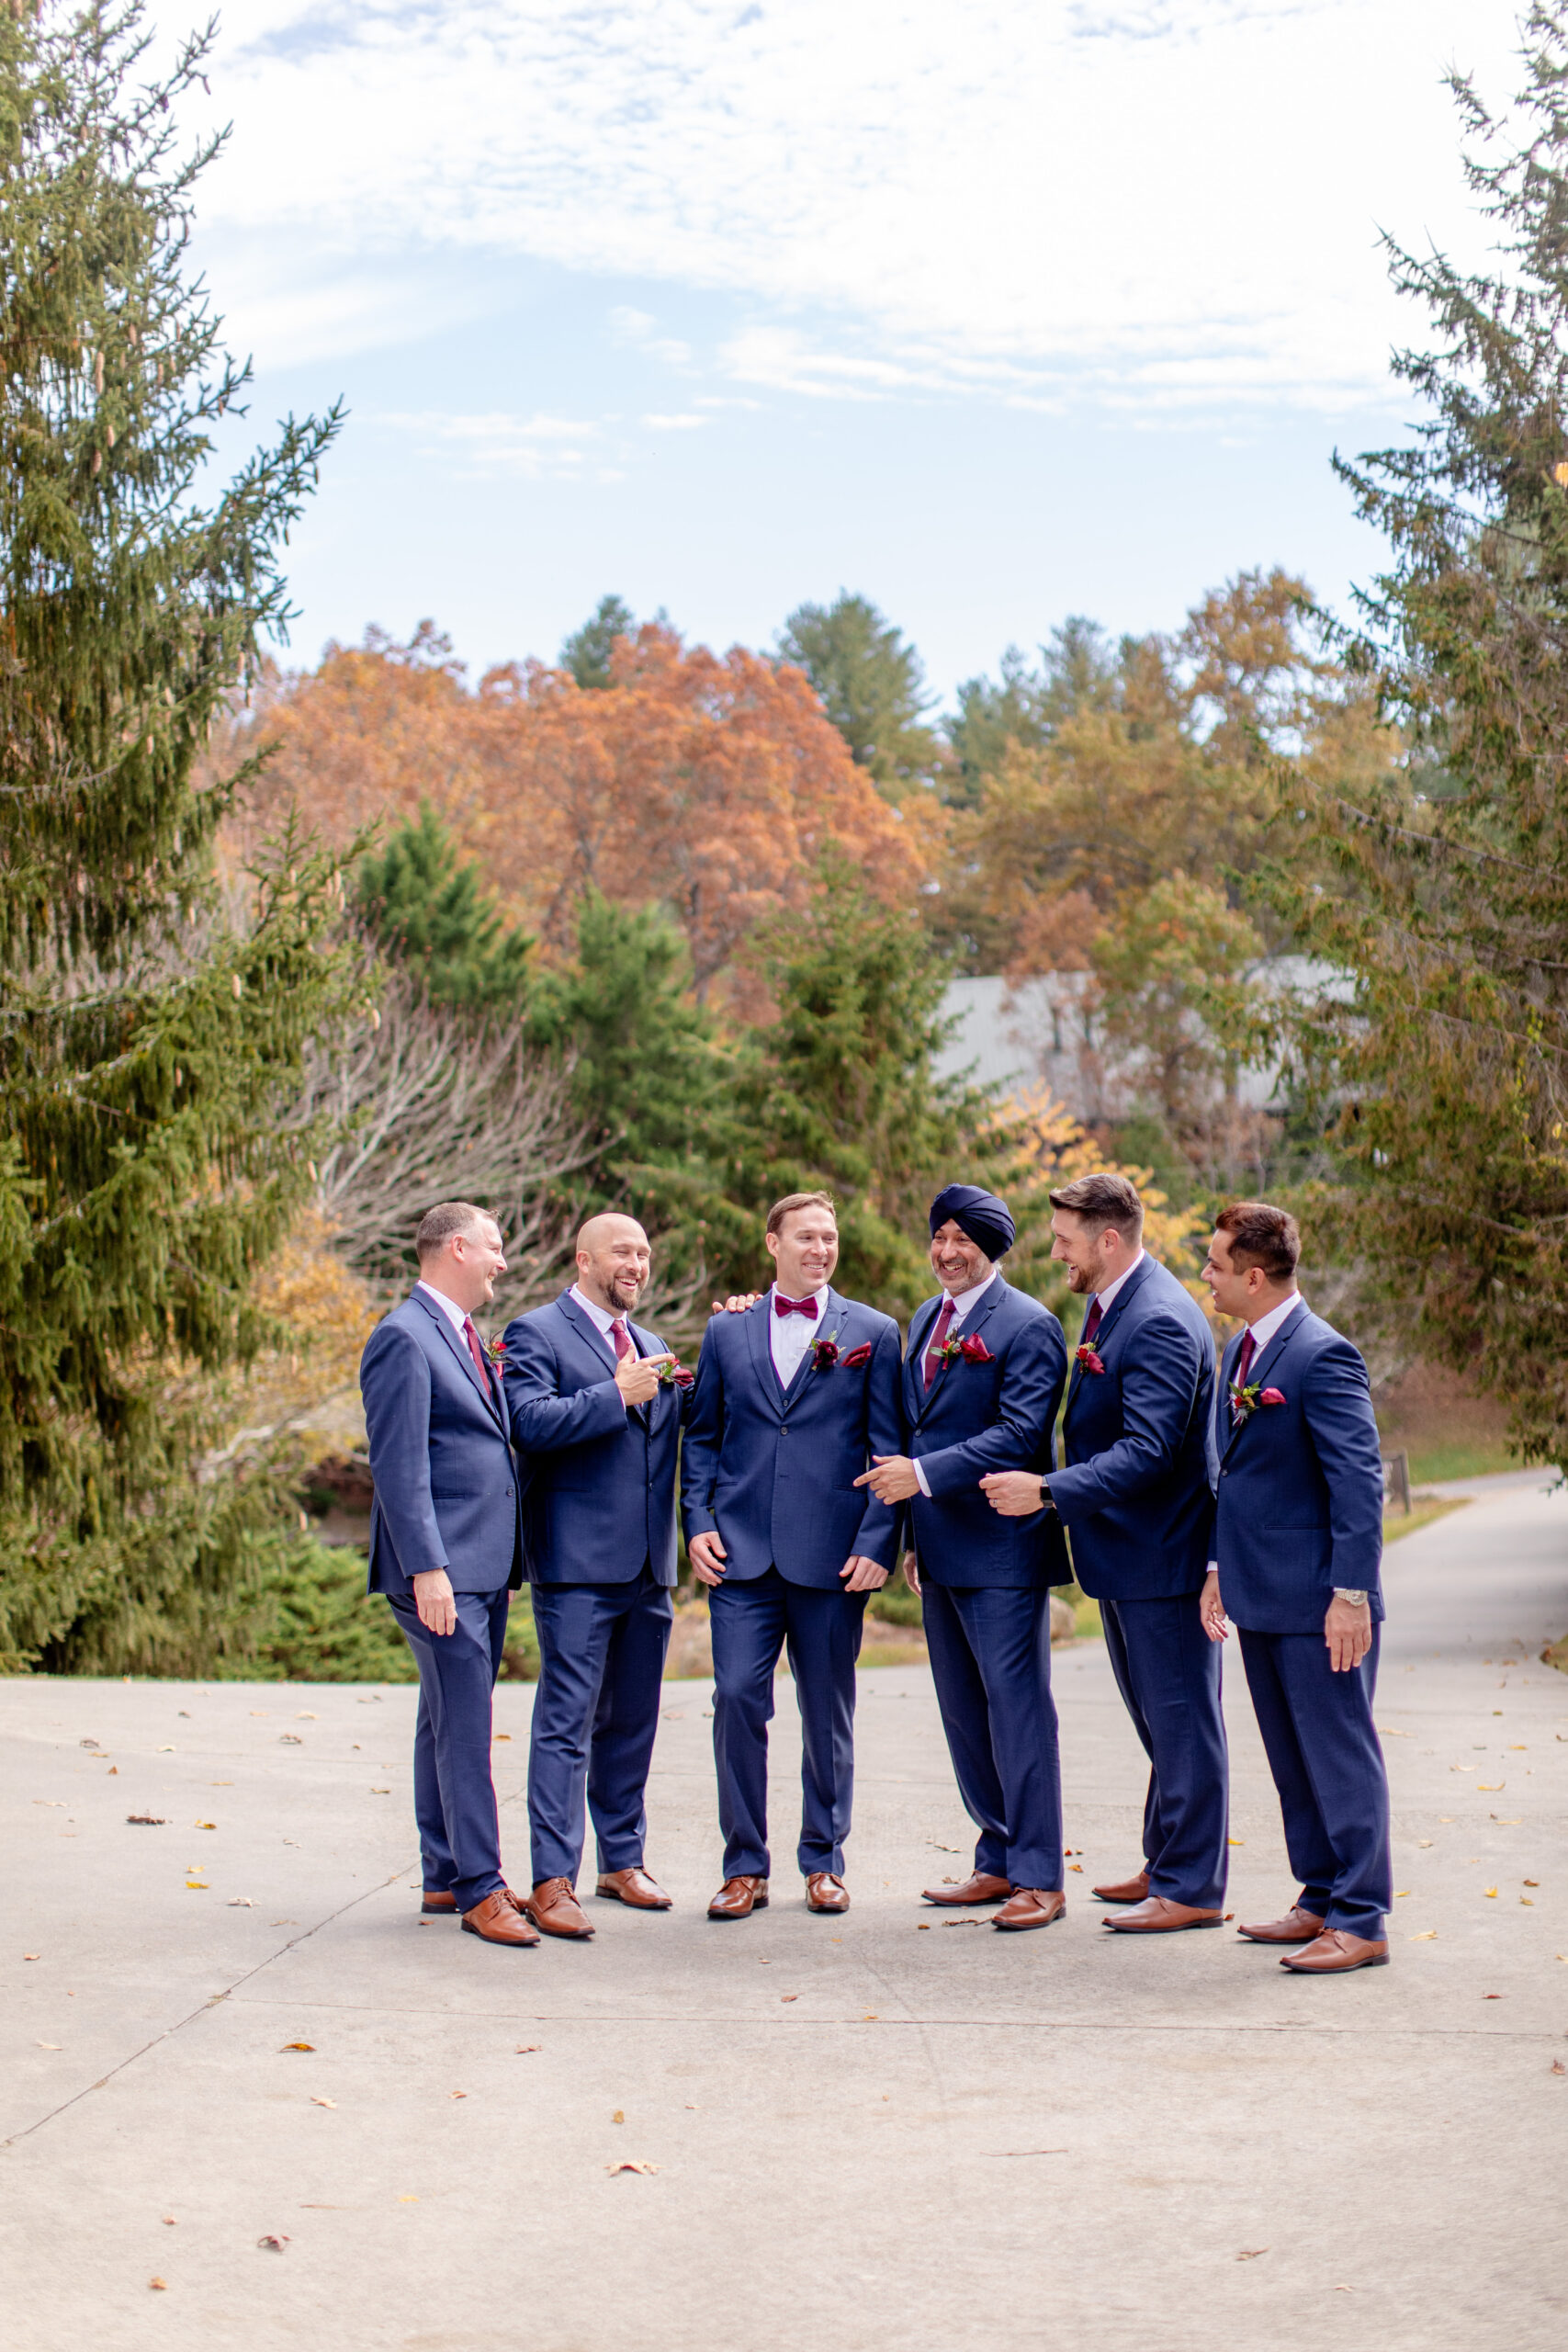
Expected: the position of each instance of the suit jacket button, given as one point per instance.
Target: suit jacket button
(783, 1429)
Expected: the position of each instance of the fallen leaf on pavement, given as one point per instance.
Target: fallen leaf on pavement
(170, 2223)
(1491, 1892)
(789, 1997)
(501, 1734)
(1235, 1841)
(870, 2017)
(163, 1751)
(295, 2045)
(524, 2047)
(304, 1715)
(50, 2045)
(1491, 1997)
(322, 2102)
(58, 1804)
(1532, 1882)
(32, 1955)
(1426, 1936)
(1075, 1866)
(242, 1902)
(1384, 1732)
(1423, 1841)
(619, 2116)
(274, 2239)
(1491, 1788)
(159, 2286)
(459, 2094)
(206, 1825)
(147, 1820)
(1400, 1893)
(199, 1886)
(1528, 1902)
(289, 1739)
(1558, 2068)
(1251, 2253)
(629, 2165)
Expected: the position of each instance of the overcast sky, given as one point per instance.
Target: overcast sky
(995, 309)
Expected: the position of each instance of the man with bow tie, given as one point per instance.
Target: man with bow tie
(595, 1404)
(446, 1549)
(794, 1395)
(1136, 1497)
(1297, 1548)
(983, 1377)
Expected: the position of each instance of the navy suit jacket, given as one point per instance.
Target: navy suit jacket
(1300, 1503)
(601, 1493)
(446, 1482)
(1138, 1491)
(980, 1416)
(773, 1470)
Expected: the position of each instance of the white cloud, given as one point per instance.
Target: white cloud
(1155, 203)
(674, 423)
(530, 447)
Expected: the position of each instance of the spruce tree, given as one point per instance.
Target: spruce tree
(1440, 882)
(430, 911)
(147, 1041)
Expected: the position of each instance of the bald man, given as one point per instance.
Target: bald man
(595, 1404)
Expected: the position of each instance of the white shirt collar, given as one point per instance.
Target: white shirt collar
(455, 1315)
(1106, 1295)
(603, 1316)
(1263, 1330)
(963, 1300)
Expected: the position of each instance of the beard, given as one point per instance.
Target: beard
(624, 1290)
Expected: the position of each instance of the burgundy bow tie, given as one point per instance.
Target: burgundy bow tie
(807, 1306)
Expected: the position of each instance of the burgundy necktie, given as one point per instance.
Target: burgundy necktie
(1091, 1322)
(807, 1306)
(622, 1338)
(477, 1352)
(939, 1335)
(1244, 1361)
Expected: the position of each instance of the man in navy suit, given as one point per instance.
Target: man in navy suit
(595, 1404)
(445, 1548)
(1297, 1548)
(1136, 1494)
(982, 1378)
(793, 1399)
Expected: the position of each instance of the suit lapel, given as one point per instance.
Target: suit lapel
(1259, 1368)
(484, 1390)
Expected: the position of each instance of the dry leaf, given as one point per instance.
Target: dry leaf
(1491, 1997)
(170, 2223)
(295, 2045)
(1491, 1892)
(240, 1903)
(199, 1886)
(501, 1734)
(1528, 1902)
(1491, 1788)
(1235, 1841)
(408, 2200)
(57, 1805)
(147, 1820)
(50, 2045)
(114, 1772)
(322, 2102)
(304, 1715)
(870, 2017)
(380, 1792)
(1532, 1882)
(619, 2116)
(1400, 1893)
(159, 2286)
(1251, 2253)
(32, 1955)
(1386, 1732)
(458, 2094)
(289, 1739)
(1426, 1936)
(631, 2165)
(258, 1711)
(206, 1825)
(789, 1997)
(275, 2240)
(524, 2047)
(162, 1751)
(1558, 2068)
(1075, 1866)
(1423, 1841)
(1509, 1821)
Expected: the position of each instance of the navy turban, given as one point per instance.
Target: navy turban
(986, 1221)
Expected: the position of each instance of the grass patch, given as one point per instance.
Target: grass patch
(1557, 1654)
(1397, 1523)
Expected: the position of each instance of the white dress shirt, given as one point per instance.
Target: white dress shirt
(964, 1305)
(791, 1337)
(1263, 1332)
(455, 1315)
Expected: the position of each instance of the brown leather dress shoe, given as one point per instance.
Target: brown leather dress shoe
(739, 1897)
(1157, 1914)
(1031, 1907)
(634, 1887)
(1297, 1927)
(825, 1892)
(1127, 1890)
(980, 1886)
(1335, 1952)
(432, 1900)
(499, 1920)
(553, 1908)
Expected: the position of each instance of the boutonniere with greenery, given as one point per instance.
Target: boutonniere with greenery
(495, 1349)
(674, 1374)
(824, 1355)
(970, 1346)
(1246, 1401)
(1090, 1360)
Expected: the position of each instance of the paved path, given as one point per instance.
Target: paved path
(886, 2134)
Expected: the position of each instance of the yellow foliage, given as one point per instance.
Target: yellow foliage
(309, 1385)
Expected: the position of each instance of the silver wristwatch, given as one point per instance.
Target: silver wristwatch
(1357, 1599)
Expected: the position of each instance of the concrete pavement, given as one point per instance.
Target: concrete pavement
(895, 2129)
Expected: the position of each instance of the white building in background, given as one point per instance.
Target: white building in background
(1024, 1036)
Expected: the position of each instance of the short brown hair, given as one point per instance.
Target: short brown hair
(1262, 1236)
(439, 1225)
(1103, 1199)
(781, 1209)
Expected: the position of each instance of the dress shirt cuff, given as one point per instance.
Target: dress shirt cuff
(921, 1479)
(1214, 1567)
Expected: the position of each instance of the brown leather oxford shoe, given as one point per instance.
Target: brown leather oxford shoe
(1031, 1907)
(1335, 1952)
(498, 1919)
(555, 1909)
(1157, 1914)
(825, 1892)
(1297, 1927)
(980, 1886)
(634, 1887)
(434, 1901)
(1126, 1890)
(739, 1897)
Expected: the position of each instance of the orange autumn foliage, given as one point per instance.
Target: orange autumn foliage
(709, 783)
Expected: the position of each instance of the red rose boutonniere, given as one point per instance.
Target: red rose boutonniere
(825, 1353)
(674, 1374)
(495, 1349)
(1090, 1360)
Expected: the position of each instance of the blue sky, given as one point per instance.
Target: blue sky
(994, 310)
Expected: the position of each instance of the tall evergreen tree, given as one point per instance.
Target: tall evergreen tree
(429, 909)
(872, 686)
(1440, 881)
(586, 652)
(145, 1045)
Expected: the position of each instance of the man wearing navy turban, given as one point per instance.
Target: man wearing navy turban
(983, 1376)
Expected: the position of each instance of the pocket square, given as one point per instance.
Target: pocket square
(1272, 1397)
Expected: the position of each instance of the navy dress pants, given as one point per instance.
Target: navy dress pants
(1168, 1671)
(602, 1650)
(990, 1653)
(454, 1795)
(751, 1623)
(1328, 1763)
